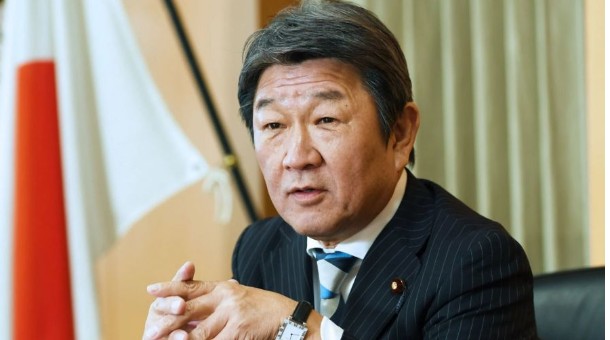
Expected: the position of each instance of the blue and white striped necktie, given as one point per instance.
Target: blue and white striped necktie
(332, 271)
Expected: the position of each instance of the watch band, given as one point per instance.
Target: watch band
(301, 312)
(294, 326)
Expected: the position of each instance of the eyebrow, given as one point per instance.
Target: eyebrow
(262, 103)
(331, 95)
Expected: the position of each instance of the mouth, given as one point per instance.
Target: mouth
(305, 190)
(306, 195)
(299, 190)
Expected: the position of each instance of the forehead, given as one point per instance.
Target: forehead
(329, 74)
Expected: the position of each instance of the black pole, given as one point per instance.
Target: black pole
(229, 157)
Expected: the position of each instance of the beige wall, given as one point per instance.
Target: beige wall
(594, 61)
(183, 227)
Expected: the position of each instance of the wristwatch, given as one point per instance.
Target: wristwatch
(294, 327)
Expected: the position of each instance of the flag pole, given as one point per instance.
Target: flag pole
(229, 158)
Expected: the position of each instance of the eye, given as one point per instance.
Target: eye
(326, 120)
(273, 126)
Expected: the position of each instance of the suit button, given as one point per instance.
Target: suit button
(398, 286)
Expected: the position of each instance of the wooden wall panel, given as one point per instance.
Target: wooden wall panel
(268, 9)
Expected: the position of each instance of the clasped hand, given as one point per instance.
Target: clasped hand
(189, 309)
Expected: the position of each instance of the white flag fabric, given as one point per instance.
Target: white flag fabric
(120, 151)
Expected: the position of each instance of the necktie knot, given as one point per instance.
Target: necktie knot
(332, 270)
(341, 260)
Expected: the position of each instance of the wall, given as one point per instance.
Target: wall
(594, 63)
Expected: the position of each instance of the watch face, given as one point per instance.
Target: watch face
(291, 330)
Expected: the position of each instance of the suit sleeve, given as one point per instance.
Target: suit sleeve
(487, 293)
(235, 259)
(244, 265)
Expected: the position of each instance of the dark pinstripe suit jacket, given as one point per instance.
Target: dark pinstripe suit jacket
(466, 277)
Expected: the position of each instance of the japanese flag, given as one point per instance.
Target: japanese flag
(87, 147)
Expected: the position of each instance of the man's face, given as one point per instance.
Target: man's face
(328, 169)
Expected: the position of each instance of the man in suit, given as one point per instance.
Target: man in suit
(379, 253)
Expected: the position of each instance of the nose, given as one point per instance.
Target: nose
(301, 151)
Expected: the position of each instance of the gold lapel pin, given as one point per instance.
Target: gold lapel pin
(398, 285)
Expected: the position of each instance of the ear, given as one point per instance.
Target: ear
(404, 132)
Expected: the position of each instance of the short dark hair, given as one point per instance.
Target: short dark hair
(330, 29)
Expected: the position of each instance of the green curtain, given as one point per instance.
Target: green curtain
(500, 86)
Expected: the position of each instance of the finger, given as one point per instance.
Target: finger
(201, 308)
(163, 326)
(169, 305)
(208, 328)
(191, 325)
(185, 289)
(178, 334)
(186, 272)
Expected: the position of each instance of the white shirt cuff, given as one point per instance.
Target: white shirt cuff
(329, 330)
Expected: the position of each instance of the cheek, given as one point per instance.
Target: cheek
(264, 164)
(268, 164)
(374, 164)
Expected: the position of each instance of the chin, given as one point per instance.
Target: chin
(306, 225)
(312, 231)
(318, 230)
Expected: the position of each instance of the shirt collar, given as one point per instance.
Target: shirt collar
(358, 244)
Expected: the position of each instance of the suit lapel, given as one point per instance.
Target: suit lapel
(287, 268)
(372, 302)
